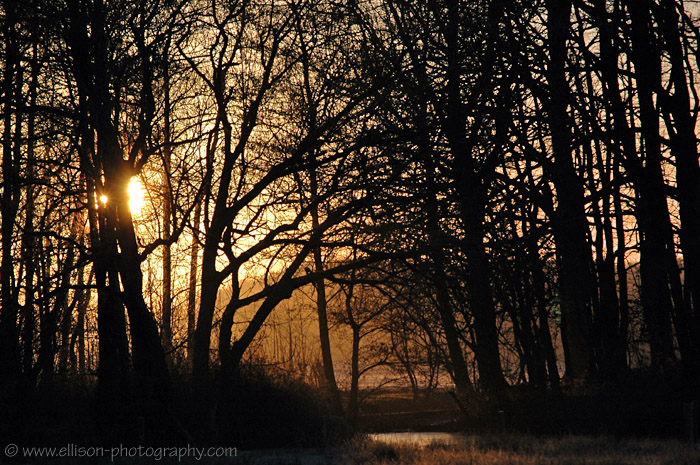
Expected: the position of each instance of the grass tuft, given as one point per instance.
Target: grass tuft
(522, 450)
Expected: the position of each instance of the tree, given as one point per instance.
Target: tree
(109, 162)
(258, 223)
(11, 90)
(569, 221)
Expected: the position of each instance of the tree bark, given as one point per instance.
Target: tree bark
(355, 327)
(684, 150)
(9, 311)
(118, 260)
(167, 302)
(569, 220)
(192, 285)
(211, 280)
(622, 152)
(656, 259)
(322, 310)
(471, 189)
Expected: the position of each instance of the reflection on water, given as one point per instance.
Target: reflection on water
(421, 439)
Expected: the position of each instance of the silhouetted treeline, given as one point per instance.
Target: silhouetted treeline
(508, 191)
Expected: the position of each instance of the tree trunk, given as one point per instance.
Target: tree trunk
(684, 150)
(192, 285)
(28, 238)
(656, 260)
(211, 278)
(354, 395)
(9, 310)
(118, 259)
(621, 268)
(167, 303)
(569, 221)
(471, 190)
(544, 335)
(210, 282)
(325, 342)
(621, 150)
(449, 325)
(81, 298)
(113, 364)
(228, 365)
(321, 307)
(354, 399)
(149, 361)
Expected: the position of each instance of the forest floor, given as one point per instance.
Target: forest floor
(467, 450)
(522, 450)
(642, 422)
(464, 450)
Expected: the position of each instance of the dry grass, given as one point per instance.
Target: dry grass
(523, 450)
(473, 450)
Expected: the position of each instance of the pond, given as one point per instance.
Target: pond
(421, 438)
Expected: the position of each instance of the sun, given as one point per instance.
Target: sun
(136, 196)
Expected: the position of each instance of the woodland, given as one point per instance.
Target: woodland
(221, 215)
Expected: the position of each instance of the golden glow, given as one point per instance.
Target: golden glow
(137, 196)
(103, 199)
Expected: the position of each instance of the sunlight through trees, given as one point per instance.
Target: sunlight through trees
(472, 195)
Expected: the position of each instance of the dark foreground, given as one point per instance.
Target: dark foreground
(468, 449)
(639, 421)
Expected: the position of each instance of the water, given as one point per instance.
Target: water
(420, 438)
